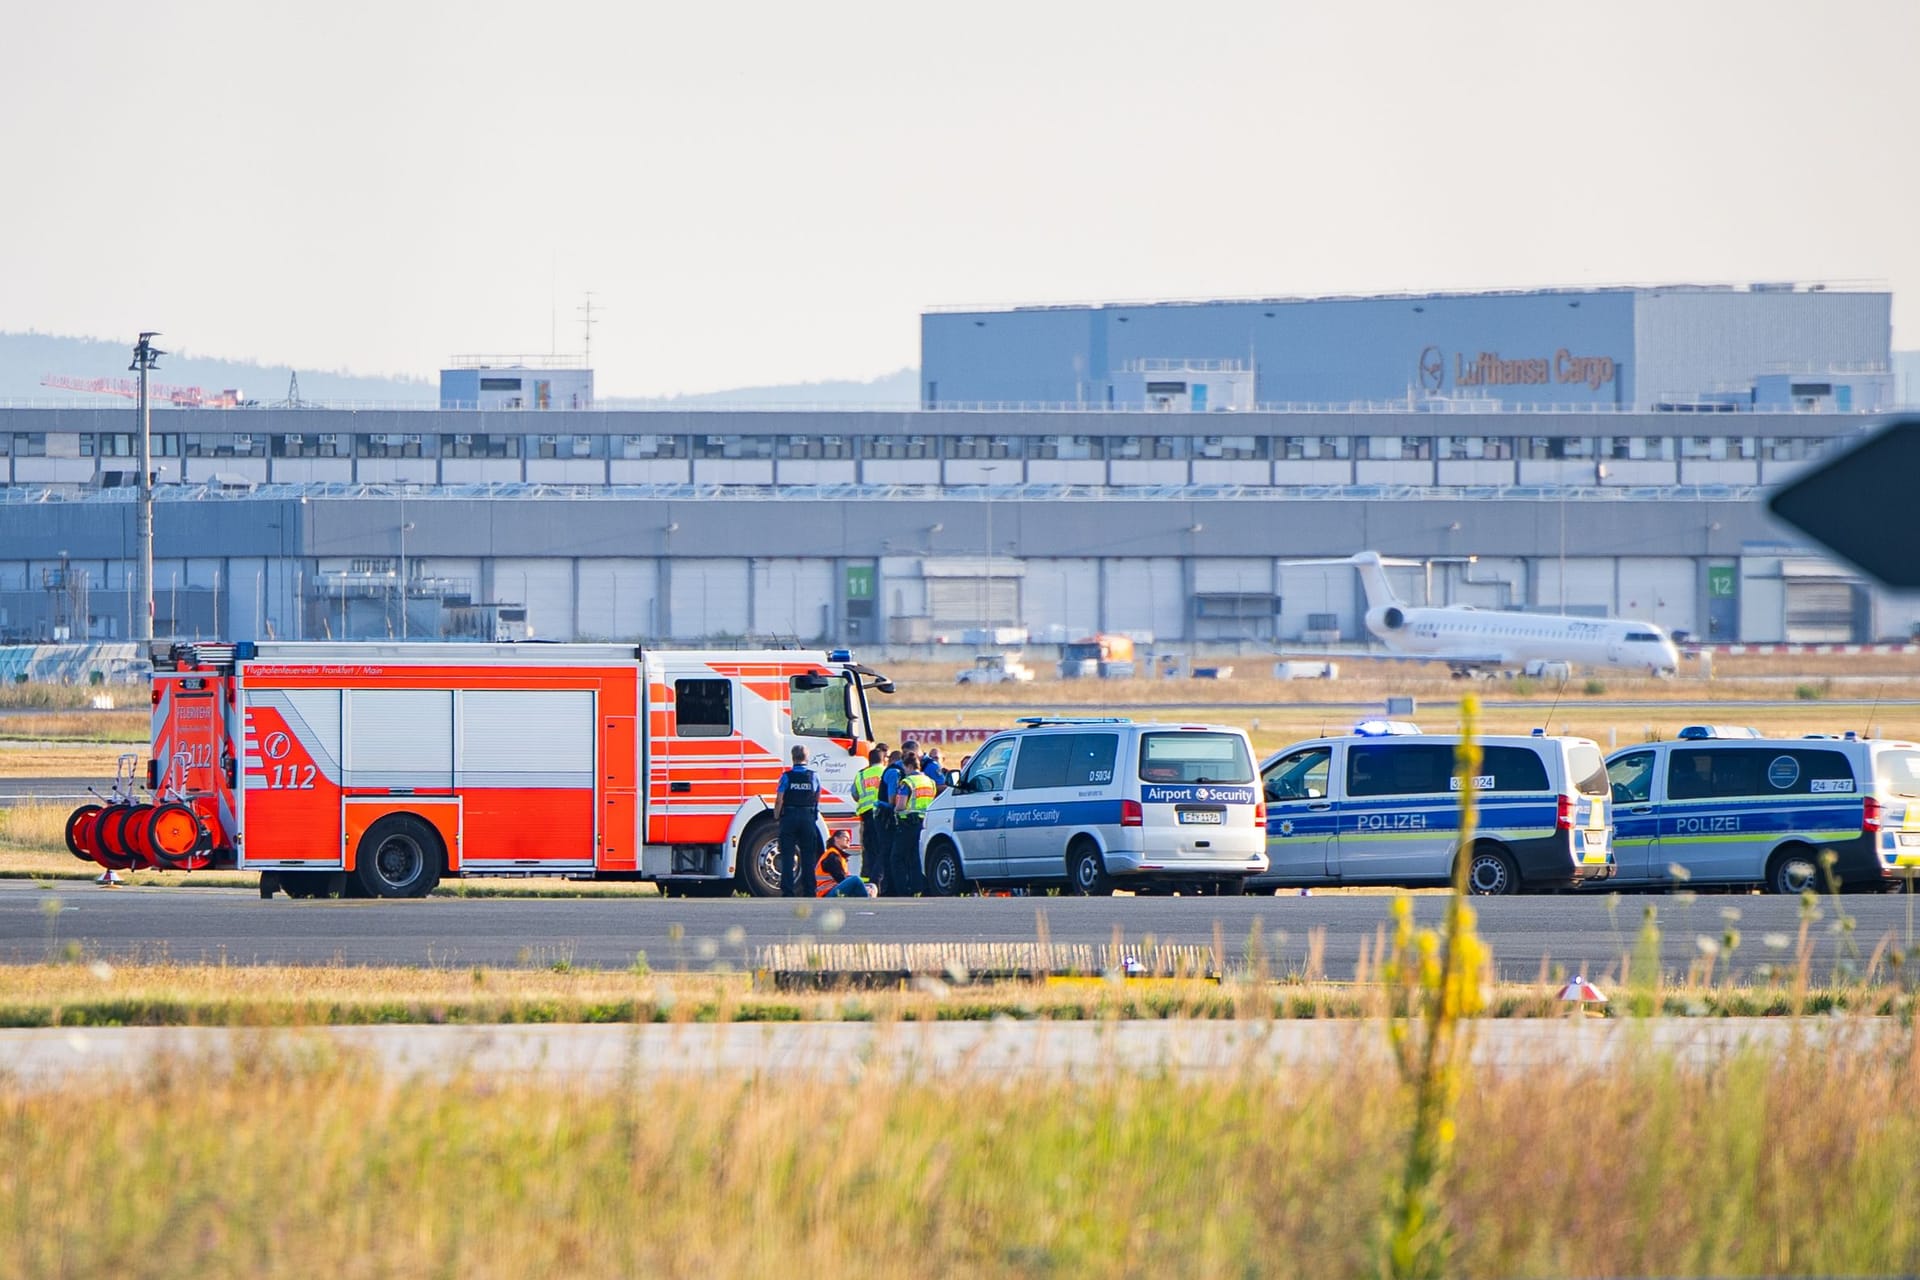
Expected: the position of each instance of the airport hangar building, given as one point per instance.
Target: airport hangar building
(1154, 515)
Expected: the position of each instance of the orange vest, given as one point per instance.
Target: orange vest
(823, 881)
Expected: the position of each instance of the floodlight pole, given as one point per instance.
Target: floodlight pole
(146, 356)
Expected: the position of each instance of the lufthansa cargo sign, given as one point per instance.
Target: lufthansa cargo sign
(1490, 369)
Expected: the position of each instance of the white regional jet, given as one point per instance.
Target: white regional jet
(1469, 639)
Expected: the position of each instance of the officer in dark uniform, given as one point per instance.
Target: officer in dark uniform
(882, 851)
(796, 807)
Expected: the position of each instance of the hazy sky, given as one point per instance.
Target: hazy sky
(762, 193)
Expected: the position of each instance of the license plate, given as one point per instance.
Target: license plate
(1909, 838)
(1202, 817)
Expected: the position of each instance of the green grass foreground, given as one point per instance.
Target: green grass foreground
(301, 1163)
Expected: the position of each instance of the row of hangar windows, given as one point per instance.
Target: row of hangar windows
(979, 447)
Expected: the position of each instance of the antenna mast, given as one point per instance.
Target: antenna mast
(586, 324)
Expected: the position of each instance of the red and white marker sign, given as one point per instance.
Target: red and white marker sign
(1582, 991)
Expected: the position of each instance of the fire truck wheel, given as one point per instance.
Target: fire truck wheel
(400, 857)
(76, 844)
(760, 859)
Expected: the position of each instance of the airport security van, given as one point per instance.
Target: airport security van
(1381, 806)
(1099, 804)
(1724, 806)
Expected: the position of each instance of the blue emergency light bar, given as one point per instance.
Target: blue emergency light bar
(1384, 728)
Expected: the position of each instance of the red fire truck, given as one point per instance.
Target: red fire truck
(376, 769)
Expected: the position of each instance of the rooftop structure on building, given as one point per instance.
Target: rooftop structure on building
(1676, 347)
(517, 382)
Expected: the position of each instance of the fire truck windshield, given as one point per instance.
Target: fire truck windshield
(823, 712)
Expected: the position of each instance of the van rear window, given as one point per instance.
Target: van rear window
(1195, 757)
(1897, 773)
(1588, 769)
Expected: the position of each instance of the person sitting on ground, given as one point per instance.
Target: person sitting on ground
(831, 878)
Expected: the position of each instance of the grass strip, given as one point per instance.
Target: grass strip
(304, 1159)
(548, 989)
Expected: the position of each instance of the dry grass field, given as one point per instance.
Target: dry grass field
(303, 1162)
(76, 726)
(66, 760)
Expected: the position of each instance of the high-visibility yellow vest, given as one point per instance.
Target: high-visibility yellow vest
(923, 793)
(866, 790)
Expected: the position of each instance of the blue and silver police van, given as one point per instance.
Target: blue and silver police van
(1722, 806)
(1381, 806)
(1097, 804)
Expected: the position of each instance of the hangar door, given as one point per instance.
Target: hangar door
(618, 598)
(1145, 596)
(793, 598)
(710, 598)
(968, 591)
(1823, 611)
(1062, 598)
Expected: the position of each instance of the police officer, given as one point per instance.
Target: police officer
(910, 801)
(882, 855)
(866, 803)
(796, 807)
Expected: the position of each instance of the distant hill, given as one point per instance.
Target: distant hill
(26, 357)
(900, 389)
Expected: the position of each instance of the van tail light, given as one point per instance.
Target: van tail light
(1563, 816)
(1260, 812)
(1131, 814)
(1871, 815)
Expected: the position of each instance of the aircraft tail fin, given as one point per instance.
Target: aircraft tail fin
(1373, 574)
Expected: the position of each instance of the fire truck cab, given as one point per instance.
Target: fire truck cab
(376, 769)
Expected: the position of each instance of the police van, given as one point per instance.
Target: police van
(1098, 804)
(1381, 806)
(1718, 806)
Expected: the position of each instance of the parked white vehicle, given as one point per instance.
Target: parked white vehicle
(1094, 804)
(1723, 805)
(996, 668)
